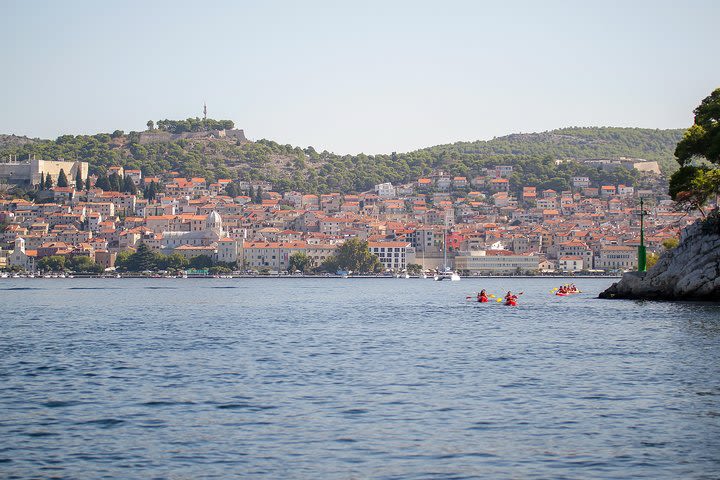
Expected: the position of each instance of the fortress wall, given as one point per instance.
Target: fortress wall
(164, 137)
(652, 167)
(37, 167)
(15, 172)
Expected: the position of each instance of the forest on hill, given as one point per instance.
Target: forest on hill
(288, 167)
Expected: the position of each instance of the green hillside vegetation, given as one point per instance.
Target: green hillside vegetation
(193, 125)
(305, 169)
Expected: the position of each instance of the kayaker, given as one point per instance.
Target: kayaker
(482, 296)
(510, 299)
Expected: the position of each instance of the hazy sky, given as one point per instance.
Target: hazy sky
(369, 76)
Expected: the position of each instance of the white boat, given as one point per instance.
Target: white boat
(446, 273)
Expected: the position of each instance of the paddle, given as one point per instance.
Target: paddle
(500, 299)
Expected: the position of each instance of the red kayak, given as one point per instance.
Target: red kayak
(483, 299)
(511, 303)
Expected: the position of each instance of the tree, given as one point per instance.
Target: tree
(62, 179)
(129, 186)
(219, 269)
(258, 196)
(703, 138)
(78, 180)
(115, 182)
(143, 259)
(151, 191)
(692, 186)
(122, 259)
(41, 185)
(174, 261)
(299, 261)
(201, 261)
(103, 183)
(87, 183)
(52, 263)
(150, 125)
(117, 134)
(354, 255)
(670, 243)
(48, 182)
(652, 259)
(414, 269)
(84, 264)
(231, 190)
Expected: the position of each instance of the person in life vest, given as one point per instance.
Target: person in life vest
(482, 296)
(510, 299)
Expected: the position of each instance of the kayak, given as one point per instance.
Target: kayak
(483, 300)
(511, 303)
(562, 294)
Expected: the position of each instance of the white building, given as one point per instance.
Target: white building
(616, 257)
(479, 262)
(22, 258)
(570, 264)
(580, 182)
(393, 255)
(385, 190)
(197, 237)
(503, 171)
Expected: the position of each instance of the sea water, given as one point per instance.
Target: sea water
(353, 378)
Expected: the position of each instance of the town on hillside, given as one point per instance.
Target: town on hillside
(476, 226)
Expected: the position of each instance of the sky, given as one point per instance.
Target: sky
(350, 77)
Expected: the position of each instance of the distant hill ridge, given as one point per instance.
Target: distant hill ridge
(294, 168)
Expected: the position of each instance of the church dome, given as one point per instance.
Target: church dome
(213, 220)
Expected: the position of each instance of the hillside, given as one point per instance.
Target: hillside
(295, 168)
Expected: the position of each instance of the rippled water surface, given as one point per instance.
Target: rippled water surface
(356, 378)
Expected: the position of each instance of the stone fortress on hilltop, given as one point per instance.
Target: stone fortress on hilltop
(157, 136)
(162, 136)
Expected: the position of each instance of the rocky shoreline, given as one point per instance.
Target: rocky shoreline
(691, 271)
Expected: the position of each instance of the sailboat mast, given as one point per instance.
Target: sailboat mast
(445, 243)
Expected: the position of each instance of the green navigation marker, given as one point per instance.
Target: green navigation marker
(642, 254)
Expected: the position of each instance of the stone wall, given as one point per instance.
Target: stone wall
(53, 167)
(15, 172)
(157, 136)
(29, 171)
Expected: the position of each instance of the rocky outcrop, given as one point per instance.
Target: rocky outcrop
(691, 271)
